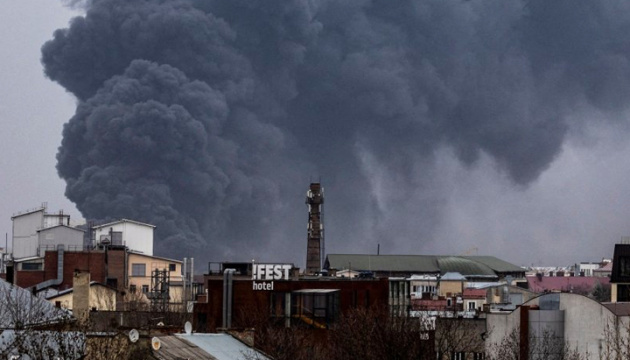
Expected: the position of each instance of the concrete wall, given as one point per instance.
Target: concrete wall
(25, 238)
(102, 298)
(137, 237)
(585, 322)
(152, 263)
(452, 287)
(49, 238)
(501, 325)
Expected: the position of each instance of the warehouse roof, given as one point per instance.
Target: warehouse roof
(484, 266)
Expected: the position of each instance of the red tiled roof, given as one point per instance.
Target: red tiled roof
(474, 293)
(565, 283)
(605, 268)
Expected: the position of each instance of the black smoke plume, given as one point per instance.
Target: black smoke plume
(207, 118)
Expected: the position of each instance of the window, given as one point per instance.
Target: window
(623, 292)
(172, 267)
(31, 266)
(449, 302)
(145, 289)
(138, 270)
(458, 356)
(624, 266)
(472, 305)
(132, 289)
(478, 356)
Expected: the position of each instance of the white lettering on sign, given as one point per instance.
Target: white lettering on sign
(268, 272)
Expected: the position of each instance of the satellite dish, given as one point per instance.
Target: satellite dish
(134, 335)
(188, 328)
(156, 344)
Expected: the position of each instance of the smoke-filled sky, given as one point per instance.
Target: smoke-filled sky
(479, 127)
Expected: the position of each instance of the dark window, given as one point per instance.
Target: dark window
(31, 266)
(138, 270)
(623, 293)
(145, 289)
(624, 266)
(132, 289)
(172, 267)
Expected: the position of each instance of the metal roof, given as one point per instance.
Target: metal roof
(123, 221)
(416, 263)
(173, 347)
(483, 266)
(464, 266)
(60, 225)
(495, 264)
(453, 276)
(222, 346)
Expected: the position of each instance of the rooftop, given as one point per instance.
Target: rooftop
(470, 266)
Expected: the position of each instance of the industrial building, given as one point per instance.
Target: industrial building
(48, 253)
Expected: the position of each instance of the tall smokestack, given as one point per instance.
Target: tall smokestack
(314, 200)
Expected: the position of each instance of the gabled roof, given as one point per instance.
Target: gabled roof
(56, 226)
(124, 221)
(27, 212)
(605, 268)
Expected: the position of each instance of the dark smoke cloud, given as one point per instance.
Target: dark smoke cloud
(207, 118)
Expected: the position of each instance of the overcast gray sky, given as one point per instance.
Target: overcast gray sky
(32, 111)
(569, 207)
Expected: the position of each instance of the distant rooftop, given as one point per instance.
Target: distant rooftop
(469, 266)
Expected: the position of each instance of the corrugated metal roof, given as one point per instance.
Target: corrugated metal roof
(417, 263)
(496, 264)
(174, 348)
(222, 346)
(466, 265)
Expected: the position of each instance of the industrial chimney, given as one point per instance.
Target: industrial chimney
(315, 237)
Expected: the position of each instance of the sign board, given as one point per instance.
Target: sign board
(263, 275)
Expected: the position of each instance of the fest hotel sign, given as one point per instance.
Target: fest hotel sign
(263, 275)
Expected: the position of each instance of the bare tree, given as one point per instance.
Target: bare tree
(34, 327)
(548, 346)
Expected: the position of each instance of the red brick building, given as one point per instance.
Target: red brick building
(311, 302)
